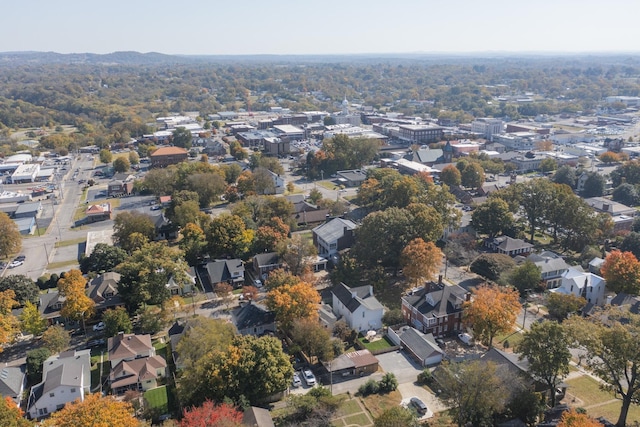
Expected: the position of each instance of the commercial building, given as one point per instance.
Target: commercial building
(166, 156)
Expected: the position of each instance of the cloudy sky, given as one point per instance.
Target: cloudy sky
(320, 27)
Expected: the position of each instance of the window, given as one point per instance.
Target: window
(73, 390)
(51, 394)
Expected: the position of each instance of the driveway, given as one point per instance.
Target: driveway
(401, 365)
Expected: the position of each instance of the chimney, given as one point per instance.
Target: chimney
(605, 207)
(609, 299)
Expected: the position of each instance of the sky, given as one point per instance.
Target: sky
(228, 27)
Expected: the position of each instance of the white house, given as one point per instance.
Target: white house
(65, 378)
(358, 307)
(583, 284)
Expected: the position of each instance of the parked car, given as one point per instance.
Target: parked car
(156, 207)
(15, 264)
(95, 343)
(419, 405)
(257, 283)
(20, 258)
(309, 378)
(466, 338)
(296, 380)
(99, 326)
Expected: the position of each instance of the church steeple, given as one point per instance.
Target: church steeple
(345, 106)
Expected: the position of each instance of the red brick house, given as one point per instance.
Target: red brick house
(435, 308)
(166, 156)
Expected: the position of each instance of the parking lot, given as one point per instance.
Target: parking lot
(403, 367)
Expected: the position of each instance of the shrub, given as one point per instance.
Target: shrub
(370, 387)
(388, 383)
(425, 377)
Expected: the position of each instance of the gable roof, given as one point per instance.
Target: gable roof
(257, 417)
(509, 244)
(352, 298)
(334, 229)
(267, 258)
(351, 360)
(221, 270)
(423, 346)
(12, 380)
(548, 264)
(126, 346)
(131, 372)
(252, 315)
(437, 300)
(625, 300)
(104, 284)
(510, 361)
(48, 301)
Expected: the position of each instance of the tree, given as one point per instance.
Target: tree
(631, 243)
(193, 243)
(560, 306)
(145, 274)
(492, 217)
(104, 258)
(450, 175)
(297, 252)
(626, 194)
(492, 310)
(35, 361)
(472, 176)
(121, 164)
(573, 418)
(116, 320)
(609, 157)
(56, 339)
(11, 415)
(315, 196)
(546, 347)
(203, 336)
(280, 277)
(594, 185)
(94, 411)
(621, 270)
(127, 225)
(228, 236)
(536, 196)
(396, 416)
(31, 320)
(610, 340)
(293, 302)
(312, 338)
(9, 325)
(181, 137)
(420, 261)
(134, 158)
(25, 288)
(225, 292)
(249, 368)
(185, 213)
(492, 266)
(565, 175)
(161, 181)
(267, 237)
(525, 277)
(210, 414)
(208, 186)
(464, 388)
(77, 305)
(106, 156)
(10, 238)
(548, 165)
(151, 320)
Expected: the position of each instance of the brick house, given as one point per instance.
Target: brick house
(435, 308)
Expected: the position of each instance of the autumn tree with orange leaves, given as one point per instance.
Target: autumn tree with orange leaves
(11, 415)
(492, 310)
(77, 305)
(9, 324)
(420, 261)
(292, 302)
(94, 411)
(621, 270)
(210, 414)
(572, 418)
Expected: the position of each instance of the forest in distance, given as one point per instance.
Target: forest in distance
(104, 96)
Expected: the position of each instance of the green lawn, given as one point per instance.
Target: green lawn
(588, 390)
(375, 345)
(72, 242)
(611, 412)
(348, 407)
(158, 399)
(60, 264)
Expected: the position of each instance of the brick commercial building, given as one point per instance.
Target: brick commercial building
(166, 156)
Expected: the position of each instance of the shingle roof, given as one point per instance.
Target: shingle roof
(363, 296)
(253, 315)
(267, 258)
(222, 270)
(131, 372)
(351, 360)
(334, 229)
(423, 346)
(11, 380)
(104, 284)
(125, 346)
(509, 244)
(439, 301)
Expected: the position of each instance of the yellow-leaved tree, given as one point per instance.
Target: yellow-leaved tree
(293, 301)
(9, 324)
(94, 411)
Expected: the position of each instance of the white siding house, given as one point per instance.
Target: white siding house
(583, 284)
(358, 307)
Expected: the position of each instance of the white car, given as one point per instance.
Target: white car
(296, 380)
(99, 326)
(309, 378)
(14, 264)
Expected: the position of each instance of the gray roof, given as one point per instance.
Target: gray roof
(222, 270)
(438, 301)
(257, 417)
(510, 360)
(252, 315)
(11, 380)
(626, 300)
(509, 244)
(334, 229)
(423, 346)
(353, 175)
(352, 298)
(426, 155)
(548, 264)
(105, 283)
(32, 207)
(267, 258)
(66, 374)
